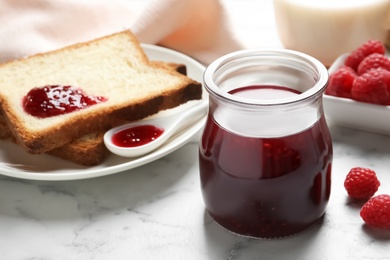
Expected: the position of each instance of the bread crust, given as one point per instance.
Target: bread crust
(4, 129)
(88, 150)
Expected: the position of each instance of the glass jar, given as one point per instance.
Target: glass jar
(265, 153)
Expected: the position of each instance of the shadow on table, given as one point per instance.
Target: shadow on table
(380, 235)
(222, 244)
(359, 141)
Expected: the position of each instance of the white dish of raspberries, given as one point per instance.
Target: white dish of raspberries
(358, 93)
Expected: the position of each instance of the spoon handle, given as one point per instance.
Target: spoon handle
(191, 114)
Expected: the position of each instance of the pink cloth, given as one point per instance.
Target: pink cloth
(198, 28)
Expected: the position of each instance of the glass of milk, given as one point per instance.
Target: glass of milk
(325, 29)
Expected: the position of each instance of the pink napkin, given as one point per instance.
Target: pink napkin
(198, 28)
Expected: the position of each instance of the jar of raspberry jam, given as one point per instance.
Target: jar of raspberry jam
(266, 153)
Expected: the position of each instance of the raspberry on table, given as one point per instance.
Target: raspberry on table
(376, 211)
(373, 61)
(372, 46)
(372, 87)
(361, 183)
(340, 82)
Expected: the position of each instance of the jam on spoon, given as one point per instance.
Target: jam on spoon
(136, 136)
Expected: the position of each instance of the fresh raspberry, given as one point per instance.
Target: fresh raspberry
(372, 87)
(354, 58)
(376, 211)
(361, 183)
(340, 82)
(373, 61)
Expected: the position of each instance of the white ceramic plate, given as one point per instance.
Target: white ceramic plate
(16, 163)
(355, 114)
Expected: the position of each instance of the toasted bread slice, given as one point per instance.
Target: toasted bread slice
(89, 149)
(114, 67)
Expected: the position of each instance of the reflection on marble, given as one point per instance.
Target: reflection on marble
(156, 212)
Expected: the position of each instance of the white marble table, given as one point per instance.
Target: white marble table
(156, 211)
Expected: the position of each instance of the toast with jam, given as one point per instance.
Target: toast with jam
(53, 99)
(89, 149)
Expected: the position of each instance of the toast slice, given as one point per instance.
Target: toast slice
(113, 67)
(89, 149)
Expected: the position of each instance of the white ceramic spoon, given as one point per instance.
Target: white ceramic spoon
(170, 124)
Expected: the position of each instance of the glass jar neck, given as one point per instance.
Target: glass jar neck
(278, 67)
(258, 117)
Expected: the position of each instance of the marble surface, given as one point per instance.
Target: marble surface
(156, 211)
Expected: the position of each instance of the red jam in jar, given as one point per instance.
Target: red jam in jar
(265, 155)
(53, 100)
(136, 136)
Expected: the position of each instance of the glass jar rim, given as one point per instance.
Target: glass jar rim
(316, 65)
